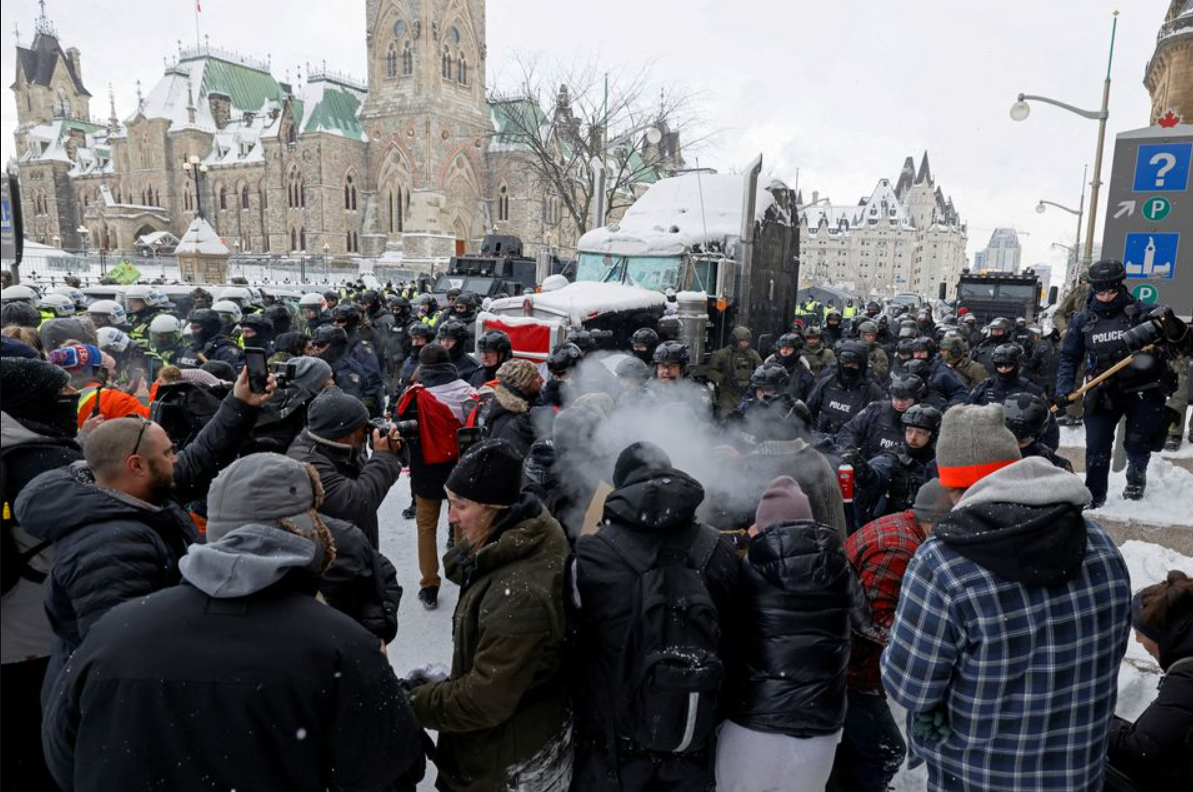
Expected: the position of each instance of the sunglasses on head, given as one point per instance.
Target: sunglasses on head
(140, 434)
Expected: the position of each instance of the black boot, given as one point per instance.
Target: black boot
(409, 512)
(1136, 479)
(429, 597)
(1173, 443)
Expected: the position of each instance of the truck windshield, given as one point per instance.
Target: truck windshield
(657, 273)
(995, 290)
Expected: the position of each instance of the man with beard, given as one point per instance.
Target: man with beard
(356, 371)
(816, 353)
(787, 354)
(844, 392)
(209, 342)
(117, 521)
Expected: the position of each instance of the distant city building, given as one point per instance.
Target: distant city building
(905, 236)
(1169, 74)
(1002, 252)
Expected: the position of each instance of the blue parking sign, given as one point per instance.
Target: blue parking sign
(1148, 255)
(1163, 167)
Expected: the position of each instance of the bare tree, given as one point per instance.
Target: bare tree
(561, 119)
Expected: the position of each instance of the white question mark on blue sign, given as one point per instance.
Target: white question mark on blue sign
(1169, 161)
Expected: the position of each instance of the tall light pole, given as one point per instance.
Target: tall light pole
(1021, 110)
(1071, 270)
(197, 170)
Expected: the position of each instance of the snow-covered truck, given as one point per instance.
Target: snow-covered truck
(689, 235)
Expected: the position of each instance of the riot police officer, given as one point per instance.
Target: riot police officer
(672, 383)
(889, 482)
(355, 369)
(844, 392)
(787, 354)
(1006, 382)
(1027, 416)
(210, 342)
(816, 353)
(1096, 339)
(879, 426)
(643, 343)
(731, 368)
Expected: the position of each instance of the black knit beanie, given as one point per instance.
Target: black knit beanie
(335, 414)
(490, 473)
(636, 456)
(433, 354)
(29, 385)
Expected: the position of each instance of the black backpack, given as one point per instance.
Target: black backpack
(670, 673)
(184, 408)
(14, 563)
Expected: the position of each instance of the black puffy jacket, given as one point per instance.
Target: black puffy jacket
(110, 547)
(795, 595)
(654, 507)
(361, 582)
(1156, 751)
(273, 690)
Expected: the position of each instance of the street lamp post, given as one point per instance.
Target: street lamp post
(1071, 270)
(1021, 110)
(197, 170)
(326, 251)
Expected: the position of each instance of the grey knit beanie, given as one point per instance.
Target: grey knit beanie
(974, 442)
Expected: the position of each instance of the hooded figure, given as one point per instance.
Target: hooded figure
(240, 643)
(1154, 750)
(285, 415)
(653, 505)
(796, 593)
(1014, 610)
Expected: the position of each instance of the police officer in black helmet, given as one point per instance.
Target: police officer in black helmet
(1100, 336)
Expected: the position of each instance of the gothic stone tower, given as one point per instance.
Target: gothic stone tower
(428, 126)
(1169, 75)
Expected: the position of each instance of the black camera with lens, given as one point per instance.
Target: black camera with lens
(407, 430)
(285, 373)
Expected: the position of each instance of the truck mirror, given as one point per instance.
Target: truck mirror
(943, 291)
(1052, 293)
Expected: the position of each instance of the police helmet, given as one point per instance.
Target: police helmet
(1026, 415)
(58, 304)
(770, 376)
(923, 344)
(229, 311)
(583, 339)
(328, 335)
(107, 310)
(791, 340)
(165, 324)
(867, 327)
(922, 416)
(853, 352)
(494, 341)
(672, 352)
(646, 337)
(564, 357)
(999, 323)
(420, 330)
(633, 368)
(1006, 355)
(907, 386)
(1106, 274)
(110, 339)
(457, 331)
(18, 293)
(76, 296)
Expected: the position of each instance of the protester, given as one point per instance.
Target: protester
(438, 401)
(1014, 610)
(117, 520)
(89, 373)
(334, 444)
(795, 597)
(872, 746)
(507, 416)
(502, 714)
(237, 678)
(648, 519)
(37, 433)
(1154, 751)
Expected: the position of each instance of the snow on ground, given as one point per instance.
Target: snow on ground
(425, 636)
(1168, 499)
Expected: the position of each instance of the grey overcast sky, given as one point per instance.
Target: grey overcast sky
(841, 91)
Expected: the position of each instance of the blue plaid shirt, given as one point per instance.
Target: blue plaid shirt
(1027, 676)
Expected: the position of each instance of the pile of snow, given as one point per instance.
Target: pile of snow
(1168, 499)
(677, 214)
(583, 300)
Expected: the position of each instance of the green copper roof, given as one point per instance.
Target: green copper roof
(512, 118)
(336, 112)
(247, 87)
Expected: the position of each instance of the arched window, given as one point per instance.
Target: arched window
(263, 196)
(302, 238)
(503, 203)
(293, 239)
(244, 196)
(157, 197)
(462, 70)
(349, 194)
(291, 134)
(62, 105)
(407, 60)
(396, 210)
(223, 197)
(391, 61)
(297, 197)
(446, 65)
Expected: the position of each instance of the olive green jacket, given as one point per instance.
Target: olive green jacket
(503, 716)
(969, 371)
(819, 359)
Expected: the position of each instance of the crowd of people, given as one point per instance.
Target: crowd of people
(672, 573)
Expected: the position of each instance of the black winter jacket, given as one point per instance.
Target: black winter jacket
(1156, 751)
(182, 691)
(361, 582)
(353, 488)
(795, 595)
(110, 547)
(655, 507)
(507, 417)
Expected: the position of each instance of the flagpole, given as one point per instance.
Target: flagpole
(198, 39)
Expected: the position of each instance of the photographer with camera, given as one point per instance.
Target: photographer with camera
(1112, 328)
(338, 429)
